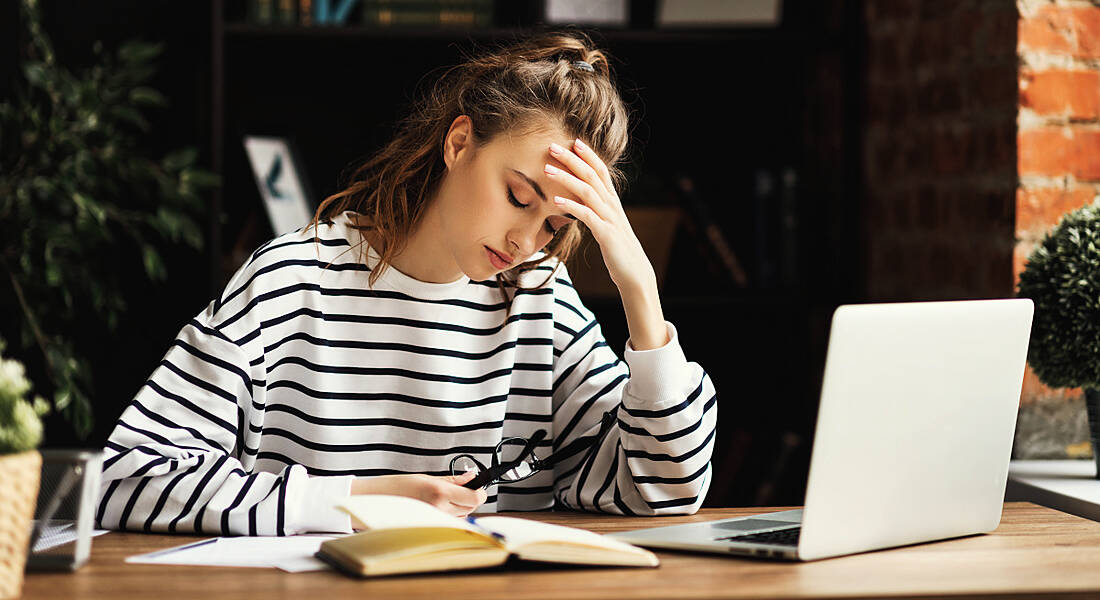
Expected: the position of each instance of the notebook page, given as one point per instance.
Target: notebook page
(378, 511)
(518, 532)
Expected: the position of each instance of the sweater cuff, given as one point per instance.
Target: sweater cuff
(316, 505)
(657, 376)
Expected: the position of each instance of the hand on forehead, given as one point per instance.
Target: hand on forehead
(524, 156)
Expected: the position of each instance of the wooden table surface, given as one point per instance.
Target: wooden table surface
(1035, 552)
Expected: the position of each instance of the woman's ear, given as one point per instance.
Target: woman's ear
(459, 139)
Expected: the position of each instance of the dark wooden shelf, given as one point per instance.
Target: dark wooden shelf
(708, 301)
(275, 70)
(678, 35)
(334, 90)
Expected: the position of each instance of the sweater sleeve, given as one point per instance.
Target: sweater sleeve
(173, 462)
(655, 458)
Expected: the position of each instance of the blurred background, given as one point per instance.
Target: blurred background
(788, 157)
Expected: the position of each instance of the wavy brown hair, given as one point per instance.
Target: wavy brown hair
(527, 85)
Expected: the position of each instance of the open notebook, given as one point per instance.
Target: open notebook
(405, 535)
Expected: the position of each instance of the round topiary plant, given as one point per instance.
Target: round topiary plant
(1062, 278)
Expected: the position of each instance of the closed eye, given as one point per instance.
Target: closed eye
(512, 198)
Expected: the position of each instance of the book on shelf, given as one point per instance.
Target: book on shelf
(398, 13)
(273, 12)
(405, 535)
(286, 12)
(377, 13)
(261, 11)
(331, 12)
(712, 243)
(776, 215)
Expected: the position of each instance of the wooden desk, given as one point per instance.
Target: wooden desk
(1067, 485)
(1035, 550)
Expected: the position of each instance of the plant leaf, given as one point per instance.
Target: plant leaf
(154, 266)
(136, 53)
(145, 96)
(180, 159)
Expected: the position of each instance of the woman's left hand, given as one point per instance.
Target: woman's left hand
(602, 211)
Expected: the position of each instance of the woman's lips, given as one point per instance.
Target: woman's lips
(498, 260)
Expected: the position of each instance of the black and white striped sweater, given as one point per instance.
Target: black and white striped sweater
(300, 377)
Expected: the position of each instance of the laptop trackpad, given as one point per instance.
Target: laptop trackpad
(751, 524)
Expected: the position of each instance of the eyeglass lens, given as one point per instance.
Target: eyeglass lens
(464, 463)
(507, 452)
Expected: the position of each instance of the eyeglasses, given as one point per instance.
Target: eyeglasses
(514, 458)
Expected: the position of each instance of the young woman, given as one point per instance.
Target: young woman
(425, 314)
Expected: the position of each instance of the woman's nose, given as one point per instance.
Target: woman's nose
(526, 239)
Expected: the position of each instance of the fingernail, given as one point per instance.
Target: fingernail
(551, 169)
(556, 149)
(580, 144)
(559, 200)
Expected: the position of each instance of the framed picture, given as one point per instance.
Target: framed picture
(281, 181)
(586, 12)
(719, 13)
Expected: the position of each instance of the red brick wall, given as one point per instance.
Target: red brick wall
(1059, 134)
(1059, 116)
(939, 148)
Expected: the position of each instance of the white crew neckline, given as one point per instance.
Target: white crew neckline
(393, 277)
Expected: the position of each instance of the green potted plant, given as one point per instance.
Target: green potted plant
(1062, 277)
(80, 201)
(20, 465)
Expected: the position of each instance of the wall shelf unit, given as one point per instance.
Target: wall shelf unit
(735, 109)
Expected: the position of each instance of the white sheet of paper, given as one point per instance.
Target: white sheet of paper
(54, 535)
(290, 553)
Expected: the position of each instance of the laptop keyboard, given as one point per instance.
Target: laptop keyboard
(783, 537)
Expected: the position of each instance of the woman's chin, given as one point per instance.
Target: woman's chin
(489, 276)
(479, 274)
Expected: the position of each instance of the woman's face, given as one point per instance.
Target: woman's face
(495, 207)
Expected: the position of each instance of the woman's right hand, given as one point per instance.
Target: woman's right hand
(443, 492)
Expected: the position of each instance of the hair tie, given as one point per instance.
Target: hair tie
(580, 64)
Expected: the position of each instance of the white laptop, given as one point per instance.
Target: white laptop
(913, 440)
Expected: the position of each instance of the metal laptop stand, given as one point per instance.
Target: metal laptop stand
(61, 539)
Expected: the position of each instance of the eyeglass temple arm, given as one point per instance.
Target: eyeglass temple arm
(491, 474)
(486, 476)
(578, 444)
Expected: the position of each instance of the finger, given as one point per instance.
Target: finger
(452, 509)
(462, 505)
(472, 502)
(463, 478)
(579, 167)
(585, 214)
(581, 189)
(468, 498)
(461, 495)
(457, 508)
(589, 155)
(460, 511)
